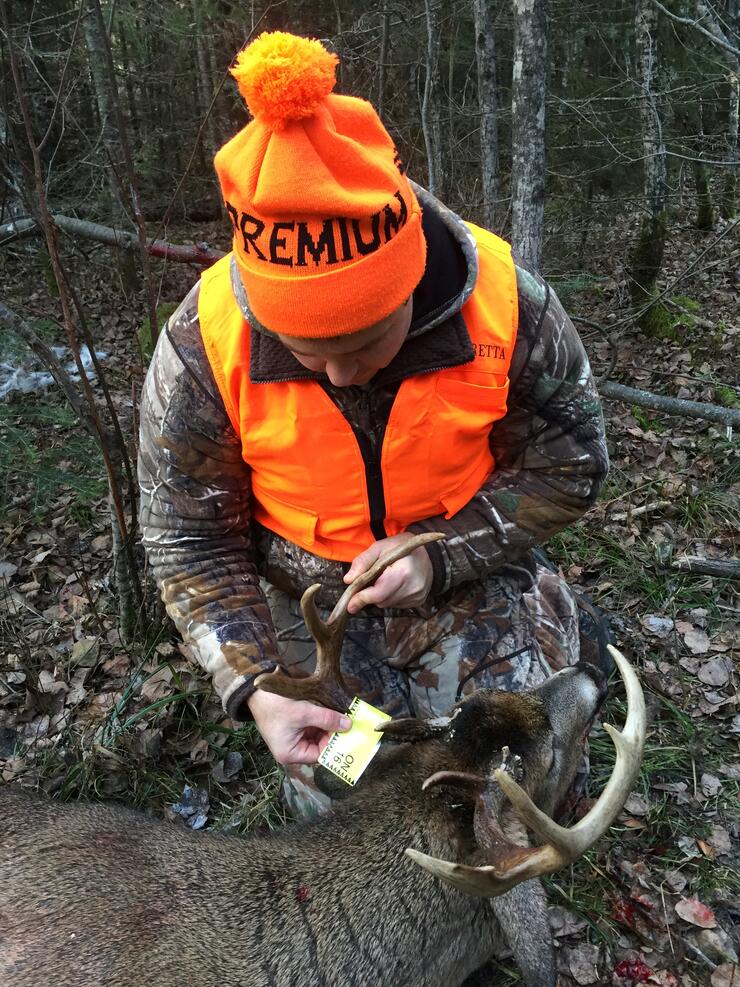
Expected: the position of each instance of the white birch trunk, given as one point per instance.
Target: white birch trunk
(528, 90)
(485, 55)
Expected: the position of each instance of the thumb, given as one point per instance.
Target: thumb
(329, 719)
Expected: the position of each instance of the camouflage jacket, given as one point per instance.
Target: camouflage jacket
(207, 554)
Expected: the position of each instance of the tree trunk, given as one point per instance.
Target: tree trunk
(105, 105)
(485, 56)
(205, 81)
(382, 59)
(431, 109)
(133, 110)
(647, 257)
(728, 201)
(528, 91)
(731, 24)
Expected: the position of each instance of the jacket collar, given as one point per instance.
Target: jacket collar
(438, 337)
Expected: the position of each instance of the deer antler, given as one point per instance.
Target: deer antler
(326, 686)
(513, 864)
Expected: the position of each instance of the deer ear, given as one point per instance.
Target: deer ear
(410, 730)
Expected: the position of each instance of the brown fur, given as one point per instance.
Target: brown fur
(99, 894)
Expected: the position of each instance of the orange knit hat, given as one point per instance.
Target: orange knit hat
(327, 231)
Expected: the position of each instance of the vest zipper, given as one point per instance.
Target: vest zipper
(373, 471)
(373, 482)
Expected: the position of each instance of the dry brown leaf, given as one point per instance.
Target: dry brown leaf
(719, 838)
(157, 685)
(583, 961)
(697, 642)
(710, 784)
(692, 910)
(715, 672)
(726, 975)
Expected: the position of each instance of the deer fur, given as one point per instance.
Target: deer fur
(96, 894)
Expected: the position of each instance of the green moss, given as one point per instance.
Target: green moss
(659, 323)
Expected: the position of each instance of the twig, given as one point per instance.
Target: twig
(715, 39)
(657, 505)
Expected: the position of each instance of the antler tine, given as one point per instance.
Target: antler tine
(563, 845)
(574, 841)
(325, 685)
(379, 566)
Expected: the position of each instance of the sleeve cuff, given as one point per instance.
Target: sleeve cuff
(235, 701)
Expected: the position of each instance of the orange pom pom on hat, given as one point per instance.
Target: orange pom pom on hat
(327, 231)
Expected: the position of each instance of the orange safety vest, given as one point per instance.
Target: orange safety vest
(310, 482)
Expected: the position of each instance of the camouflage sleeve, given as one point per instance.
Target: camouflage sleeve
(194, 514)
(550, 449)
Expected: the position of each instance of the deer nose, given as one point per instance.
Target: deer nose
(596, 676)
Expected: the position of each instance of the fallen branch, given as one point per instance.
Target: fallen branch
(657, 505)
(722, 568)
(199, 254)
(671, 406)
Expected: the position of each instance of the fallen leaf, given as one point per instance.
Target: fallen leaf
(7, 569)
(730, 771)
(726, 975)
(636, 805)
(583, 963)
(710, 784)
(158, 684)
(227, 769)
(664, 978)
(85, 651)
(47, 683)
(656, 625)
(697, 642)
(717, 945)
(564, 923)
(715, 672)
(675, 880)
(693, 911)
(706, 849)
(719, 838)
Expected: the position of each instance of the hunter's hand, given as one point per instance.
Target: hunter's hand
(404, 584)
(295, 731)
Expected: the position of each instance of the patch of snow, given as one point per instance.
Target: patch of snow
(27, 380)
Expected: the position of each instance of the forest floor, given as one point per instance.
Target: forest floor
(83, 716)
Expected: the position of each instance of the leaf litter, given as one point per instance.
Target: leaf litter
(83, 715)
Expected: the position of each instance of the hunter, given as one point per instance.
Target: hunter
(364, 365)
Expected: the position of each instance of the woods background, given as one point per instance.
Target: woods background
(603, 141)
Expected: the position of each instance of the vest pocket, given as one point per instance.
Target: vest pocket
(464, 415)
(297, 524)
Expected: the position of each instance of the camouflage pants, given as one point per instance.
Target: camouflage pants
(510, 632)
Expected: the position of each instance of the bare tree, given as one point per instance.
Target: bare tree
(647, 256)
(485, 55)
(528, 91)
(431, 109)
(729, 52)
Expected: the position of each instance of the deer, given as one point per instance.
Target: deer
(421, 875)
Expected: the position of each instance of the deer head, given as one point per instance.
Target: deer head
(546, 728)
